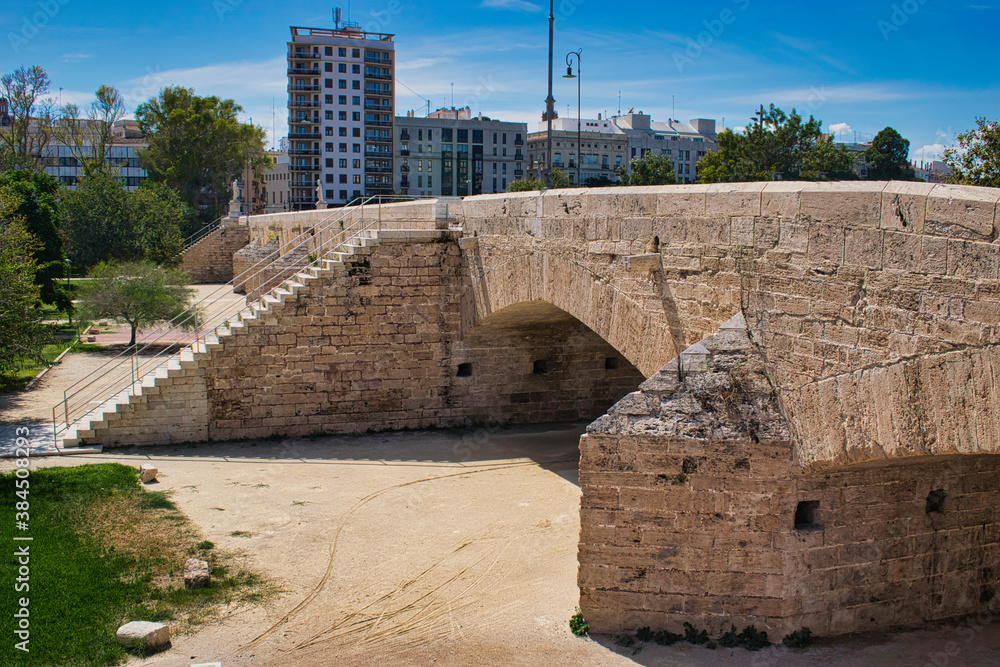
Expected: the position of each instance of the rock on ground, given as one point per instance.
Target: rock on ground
(196, 574)
(144, 634)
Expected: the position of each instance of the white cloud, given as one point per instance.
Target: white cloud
(841, 129)
(928, 152)
(516, 5)
(76, 57)
(942, 135)
(238, 80)
(819, 95)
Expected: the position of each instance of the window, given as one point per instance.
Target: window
(328, 83)
(356, 132)
(420, 135)
(356, 85)
(329, 67)
(328, 115)
(806, 515)
(446, 134)
(463, 136)
(464, 370)
(420, 165)
(343, 178)
(356, 115)
(355, 69)
(342, 83)
(357, 178)
(494, 141)
(342, 131)
(356, 163)
(329, 162)
(329, 131)
(357, 148)
(430, 180)
(342, 163)
(329, 147)
(540, 367)
(503, 168)
(329, 178)
(342, 115)
(343, 194)
(355, 53)
(494, 150)
(429, 135)
(342, 52)
(343, 148)
(342, 99)
(420, 181)
(504, 151)
(328, 51)
(505, 184)
(356, 100)
(329, 99)
(494, 180)
(342, 68)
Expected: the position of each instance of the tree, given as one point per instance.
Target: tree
(888, 157)
(139, 294)
(976, 161)
(30, 116)
(32, 199)
(648, 170)
(560, 180)
(89, 137)
(526, 185)
(21, 332)
(779, 145)
(198, 147)
(104, 222)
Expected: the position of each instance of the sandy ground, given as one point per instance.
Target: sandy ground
(443, 548)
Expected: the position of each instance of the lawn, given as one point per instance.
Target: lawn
(104, 552)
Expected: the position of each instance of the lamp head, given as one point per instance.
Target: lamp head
(569, 73)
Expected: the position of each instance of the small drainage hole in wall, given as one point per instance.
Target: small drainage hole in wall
(935, 501)
(806, 515)
(464, 370)
(541, 367)
(611, 363)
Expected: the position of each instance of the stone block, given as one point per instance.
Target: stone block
(196, 573)
(144, 635)
(904, 206)
(857, 204)
(962, 212)
(148, 473)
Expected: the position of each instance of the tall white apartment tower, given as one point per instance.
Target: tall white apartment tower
(341, 101)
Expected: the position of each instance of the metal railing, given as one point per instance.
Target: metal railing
(139, 363)
(201, 233)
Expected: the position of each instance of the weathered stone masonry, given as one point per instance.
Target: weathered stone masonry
(839, 443)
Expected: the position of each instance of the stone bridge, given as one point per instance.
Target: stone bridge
(795, 386)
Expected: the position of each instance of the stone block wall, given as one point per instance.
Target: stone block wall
(210, 260)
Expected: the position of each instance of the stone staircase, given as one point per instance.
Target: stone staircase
(189, 359)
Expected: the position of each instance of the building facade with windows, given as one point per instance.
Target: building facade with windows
(274, 184)
(603, 148)
(123, 154)
(341, 101)
(452, 153)
(685, 143)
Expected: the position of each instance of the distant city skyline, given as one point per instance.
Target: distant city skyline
(924, 68)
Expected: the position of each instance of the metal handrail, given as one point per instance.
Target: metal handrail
(201, 233)
(128, 368)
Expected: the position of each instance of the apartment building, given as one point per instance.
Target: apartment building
(685, 143)
(127, 140)
(341, 102)
(275, 184)
(453, 153)
(603, 148)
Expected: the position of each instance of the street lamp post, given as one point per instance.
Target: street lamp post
(550, 102)
(579, 77)
(69, 308)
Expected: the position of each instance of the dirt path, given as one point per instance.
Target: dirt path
(446, 548)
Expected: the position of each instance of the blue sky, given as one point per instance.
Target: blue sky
(926, 67)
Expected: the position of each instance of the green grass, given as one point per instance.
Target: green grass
(106, 552)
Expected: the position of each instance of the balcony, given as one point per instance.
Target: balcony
(519, 156)
(303, 89)
(303, 104)
(380, 93)
(303, 151)
(382, 154)
(380, 76)
(385, 108)
(404, 153)
(378, 170)
(292, 136)
(303, 167)
(303, 120)
(519, 172)
(405, 168)
(374, 61)
(404, 184)
(519, 142)
(303, 71)
(404, 136)
(379, 123)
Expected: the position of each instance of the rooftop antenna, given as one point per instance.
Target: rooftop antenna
(336, 18)
(619, 103)
(673, 107)
(453, 95)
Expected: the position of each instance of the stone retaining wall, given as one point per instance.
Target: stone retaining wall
(210, 260)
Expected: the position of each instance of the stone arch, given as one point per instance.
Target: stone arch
(641, 332)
